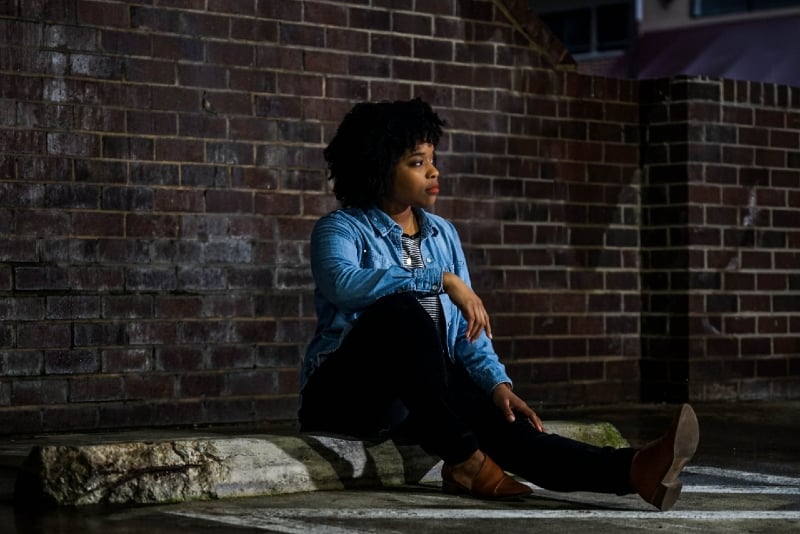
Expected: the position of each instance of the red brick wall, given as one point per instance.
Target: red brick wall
(721, 240)
(161, 169)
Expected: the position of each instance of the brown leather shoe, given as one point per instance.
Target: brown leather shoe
(491, 482)
(656, 466)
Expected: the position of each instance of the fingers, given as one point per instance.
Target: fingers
(536, 422)
(470, 304)
(530, 415)
(477, 321)
(508, 413)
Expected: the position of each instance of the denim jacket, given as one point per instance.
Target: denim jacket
(356, 258)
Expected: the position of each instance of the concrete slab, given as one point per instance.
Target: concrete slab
(167, 467)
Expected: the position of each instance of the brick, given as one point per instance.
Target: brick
(229, 202)
(301, 35)
(149, 386)
(200, 385)
(253, 128)
(221, 410)
(412, 70)
(94, 334)
(73, 144)
(179, 48)
(78, 417)
(128, 198)
(151, 333)
(283, 408)
(107, 172)
(178, 307)
(22, 363)
(251, 80)
(179, 200)
(126, 360)
(370, 19)
(229, 153)
(277, 57)
(179, 359)
(202, 76)
(232, 357)
(73, 307)
(176, 99)
(288, 107)
(227, 306)
(150, 279)
(42, 223)
(232, 251)
(405, 23)
(255, 382)
(295, 331)
(97, 224)
(124, 42)
(240, 7)
(37, 392)
(279, 356)
(70, 362)
(259, 31)
(127, 147)
(21, 420)
(196, 278)
(95, 388)
(94, 66)
(253, 331)
(347, 88)
(374, 67)
(35, 278)
(178, 150)
(227, 53)
(347, 40)
(201, 126)
(326, 14)
(300, 84)
(96, 279)
(103, 14)
(204, 227)
(128, 415)
(279, 10)
(150, 71)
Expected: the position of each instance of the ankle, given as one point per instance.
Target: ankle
(465, 471)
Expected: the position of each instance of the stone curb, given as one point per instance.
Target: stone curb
(165, 470)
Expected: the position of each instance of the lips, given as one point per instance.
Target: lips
(433, 190)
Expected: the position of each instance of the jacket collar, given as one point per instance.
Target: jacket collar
(384, 224)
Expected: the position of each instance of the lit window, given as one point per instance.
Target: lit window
(706, 8)
(590, 30)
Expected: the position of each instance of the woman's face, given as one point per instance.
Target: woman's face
(416, 179)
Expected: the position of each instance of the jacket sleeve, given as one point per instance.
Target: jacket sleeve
(336, 264)
(479, 357)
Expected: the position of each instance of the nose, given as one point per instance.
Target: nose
(433, 172)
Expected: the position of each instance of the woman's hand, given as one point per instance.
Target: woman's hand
(470, 304)
(507, 401)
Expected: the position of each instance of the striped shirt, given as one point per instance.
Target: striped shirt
(412, 258)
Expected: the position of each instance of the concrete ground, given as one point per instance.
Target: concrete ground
(744, 478)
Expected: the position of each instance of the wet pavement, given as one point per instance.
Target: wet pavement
(745, 478)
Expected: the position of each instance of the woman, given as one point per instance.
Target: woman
(403, 344)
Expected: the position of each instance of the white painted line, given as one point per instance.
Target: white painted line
(761, 478)
(253, 517)
(742, 490)
(272, 523)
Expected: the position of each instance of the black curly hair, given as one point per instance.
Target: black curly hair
(368, 144)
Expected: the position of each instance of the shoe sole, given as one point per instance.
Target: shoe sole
(687, 437)
(454, 488)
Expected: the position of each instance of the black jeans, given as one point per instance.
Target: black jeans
(394, 360)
